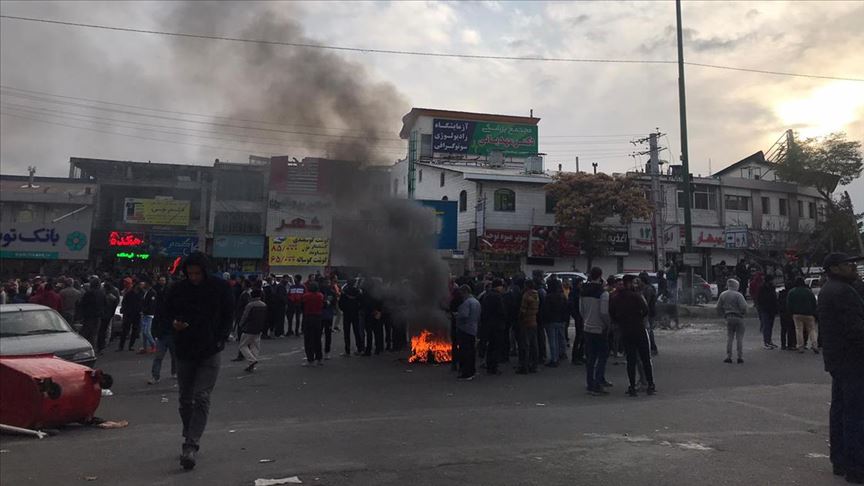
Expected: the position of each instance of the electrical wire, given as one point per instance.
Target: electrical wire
(419, 53)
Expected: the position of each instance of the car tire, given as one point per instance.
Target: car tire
(701, 299)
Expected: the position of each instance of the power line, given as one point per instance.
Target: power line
(418, 53)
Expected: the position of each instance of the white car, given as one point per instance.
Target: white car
(572, 276)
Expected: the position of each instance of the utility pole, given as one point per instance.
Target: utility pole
(685, 158)
(577, 163)
(657, 197)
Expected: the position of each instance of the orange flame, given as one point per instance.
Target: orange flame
(428, 347)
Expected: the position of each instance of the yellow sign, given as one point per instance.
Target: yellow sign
(297, 251)
(156, 212)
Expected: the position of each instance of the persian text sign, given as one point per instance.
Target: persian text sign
(156, 212)
(298, 251)
(618, 241)
(68, 239)
(553, 241)
(507, 242)
(482, 138)
(173, 246)
(310, 215)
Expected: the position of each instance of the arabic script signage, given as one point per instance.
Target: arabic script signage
(553, 241)
(641, 237)
(298, 251)
(68, 239)
(156, 212)
(299, 215)
(504, 242)
(482, 138)
(238, 246)
(618, 241)
(173, 246)
(704, 237)
(125, 239)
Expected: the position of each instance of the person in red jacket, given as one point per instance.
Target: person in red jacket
(47, 296)
(313, 307)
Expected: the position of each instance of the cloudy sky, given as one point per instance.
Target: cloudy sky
(587, 109)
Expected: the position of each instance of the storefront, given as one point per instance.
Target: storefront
(239, 254)
(39, 248)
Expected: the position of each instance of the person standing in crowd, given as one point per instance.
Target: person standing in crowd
(44, 294)
(112, 300)
(528, 349)
(163, 332)
(373, 316)
(92, 308)
(594, 308)
(787, 324)
(841, 316)
(512, 305)
(629, 309)
(578, 350)
(253, 322)
(349, 303)
(70, 297)
(327, 314)
(131, 308)
(295, 305)
(672, 281)
(149, 300)
(337, 293)
(201, 310)
(276, 298)
(802, 305)
(455, 301)
(662, 289)
(742, 272)
(493, 317)
(756, 284)
(243, 298)
(467, 322)
(766, 300)
(555, 315)
(733, 307)
(650, 295)
(313, 306)
(540, 287)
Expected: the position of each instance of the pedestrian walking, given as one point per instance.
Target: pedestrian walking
(629, 309)
(594, 308)
(201, 309)
(528, 348)
(313, 306)
(650, 295)
(254, 321)
(148, 310)
(131, 308)
(733, 307)
(802, 305)
(841, 315)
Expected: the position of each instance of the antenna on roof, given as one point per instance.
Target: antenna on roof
(32, 170)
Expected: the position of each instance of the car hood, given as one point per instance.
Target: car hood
(63, 345)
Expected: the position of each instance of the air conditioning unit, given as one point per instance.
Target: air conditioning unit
(496, 158)
(534, 164)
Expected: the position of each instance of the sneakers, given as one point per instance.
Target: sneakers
(251, 367)
(740, 360)
(768, 347)
(597, 392)
(187, 457)
(631, 391)
(816, 350)
(153, 381)
(467, 378)
(727, 360)
(306, 364)
(606, 384)
(651, 390)
(326, 355)
(320, 363)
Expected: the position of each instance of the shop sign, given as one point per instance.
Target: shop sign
(237, 246)
(554, 241)
(483, 138)
(67, 239)
(504, 242)
(299, 251)
(156, 212)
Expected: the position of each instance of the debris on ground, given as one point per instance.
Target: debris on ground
(164, 399)
(90, 478)
(109, 424)
(22, 431)
(265, 461)
(277, 482)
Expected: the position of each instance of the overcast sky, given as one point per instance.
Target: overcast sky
(589, 110)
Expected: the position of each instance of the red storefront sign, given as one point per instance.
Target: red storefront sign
(125, 239)
(511, 242)
(554, 241)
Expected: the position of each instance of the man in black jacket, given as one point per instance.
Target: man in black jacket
(841, 322)
(349, 303)
(629, 309)
(493, 316)
(578, 354)
(201, 311)
(92, 308)
(768, 306)
(131, 307)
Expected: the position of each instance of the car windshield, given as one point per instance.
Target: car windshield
(26, 323)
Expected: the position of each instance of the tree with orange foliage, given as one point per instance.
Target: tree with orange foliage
(586, 201)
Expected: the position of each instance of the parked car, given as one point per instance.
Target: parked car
(702, 291)
(27, 329)
(566, 275)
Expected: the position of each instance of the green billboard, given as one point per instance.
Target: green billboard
(483, 138)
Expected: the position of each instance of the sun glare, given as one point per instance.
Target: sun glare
(829, 108)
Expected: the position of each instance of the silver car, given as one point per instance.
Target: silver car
(27, 329)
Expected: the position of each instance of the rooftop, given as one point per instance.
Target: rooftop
(509, 173)
(410, 117)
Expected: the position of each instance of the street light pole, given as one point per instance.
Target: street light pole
(685, 158)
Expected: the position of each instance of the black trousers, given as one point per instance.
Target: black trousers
(133, 324)
(103, 339)
(351, 323)
(277, 321)
(787, 331)
(496, 346)
(541, 342)
(466, 347)
(327, 326)
(528, 345)
(312, 338)
(374, 329)
(294, 312)
(846, 422)
(578, 355)
(638, 348)
(388, 334)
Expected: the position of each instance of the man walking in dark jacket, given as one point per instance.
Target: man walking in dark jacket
(254, 321)
(131, 307)
(92, 308)
(201, 310)
(841, 317)
(629, 309)
(349, 303)
(768, 306)
(493, 316)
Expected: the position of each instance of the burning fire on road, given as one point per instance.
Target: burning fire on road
(430, 348)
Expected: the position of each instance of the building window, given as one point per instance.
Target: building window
(426, 145)
(505, 200)
(812, 207)
(442, 178)
(421, 175)
(445, 198)
(737, 203)
(783, 207)
(463, 201)
(703, 197)
(766, 205)
(800, 209)
(551, 202)
(242, 223)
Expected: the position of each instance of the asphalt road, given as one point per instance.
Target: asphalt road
(378, 421)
